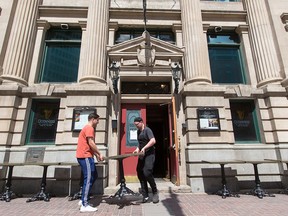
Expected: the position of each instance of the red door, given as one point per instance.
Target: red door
(174, 145)
(129, 137)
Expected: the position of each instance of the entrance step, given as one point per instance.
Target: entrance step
(163, 187)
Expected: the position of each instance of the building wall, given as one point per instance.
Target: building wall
(196, 89)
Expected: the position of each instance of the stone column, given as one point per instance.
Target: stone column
(97, 38)
(19, 53)
(196, 58)
(262, 42)
(42, 27)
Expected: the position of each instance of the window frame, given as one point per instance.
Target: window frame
(137, 32)
(31, 121)
(57, 43)
(254, 119)
(236, 44)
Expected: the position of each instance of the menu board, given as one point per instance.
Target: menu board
(208, 119)
(80, 117)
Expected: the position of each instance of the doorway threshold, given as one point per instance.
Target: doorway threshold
(163, 186)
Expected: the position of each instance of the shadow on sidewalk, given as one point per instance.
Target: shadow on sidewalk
(172, 204)
(126, 200)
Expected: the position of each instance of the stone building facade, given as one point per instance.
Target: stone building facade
(211, 74)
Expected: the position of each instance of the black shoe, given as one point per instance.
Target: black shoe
(145, 199)
(155, 198)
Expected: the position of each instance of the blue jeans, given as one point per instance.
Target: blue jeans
(89, 176)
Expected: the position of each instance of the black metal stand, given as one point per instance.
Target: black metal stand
(41, 195)
(123, 189)
(224, 192)
(8, 194)
(78, 195)
(258, 191)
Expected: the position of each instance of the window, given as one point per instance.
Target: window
(43, 121)
(61, 56)
(244, 120)
(145, 88)
(225, 58)
(127, 34)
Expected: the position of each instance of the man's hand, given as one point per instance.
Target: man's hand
(99, 157)
(136, 151)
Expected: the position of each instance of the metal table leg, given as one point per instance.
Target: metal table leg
(258, 191)
(123, 189)
(224, 192)
(42, 195)
(8, 194)
(78, 195)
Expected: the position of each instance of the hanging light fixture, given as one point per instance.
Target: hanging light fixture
(176, 74)
(114, 75)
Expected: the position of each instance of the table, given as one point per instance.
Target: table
(123, 190)
(224, 192)
(258, 190)
(42, 195)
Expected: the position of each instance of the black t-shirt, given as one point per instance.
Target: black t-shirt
(144, 137)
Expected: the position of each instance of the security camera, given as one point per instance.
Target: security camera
(64, 26)
(218, 28)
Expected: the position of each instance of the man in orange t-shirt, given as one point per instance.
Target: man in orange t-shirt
(86, 149)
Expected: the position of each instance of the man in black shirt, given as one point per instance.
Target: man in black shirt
(145, 164)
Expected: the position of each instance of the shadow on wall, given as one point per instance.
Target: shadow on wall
(65, 182)
(213, 182)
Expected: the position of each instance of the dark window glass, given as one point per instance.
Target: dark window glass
(61, 56)
(244, 121)
(43, 122)
(127, 34)
(145, 88)
(225, 59)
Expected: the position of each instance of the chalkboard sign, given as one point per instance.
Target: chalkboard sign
(208, 119)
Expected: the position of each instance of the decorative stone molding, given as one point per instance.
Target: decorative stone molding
(146, 53)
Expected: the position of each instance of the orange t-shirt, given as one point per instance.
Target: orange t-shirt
(83, 148)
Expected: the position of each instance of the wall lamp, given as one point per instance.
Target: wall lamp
(176, 73)
(114, 74)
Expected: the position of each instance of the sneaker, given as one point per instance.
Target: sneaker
(145, 199)
(155, 198)
(88, 208)
(80, 203)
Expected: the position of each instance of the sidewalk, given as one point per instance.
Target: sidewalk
(178, 204)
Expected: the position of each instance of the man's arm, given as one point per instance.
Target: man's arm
(94, 148)
(151, 142)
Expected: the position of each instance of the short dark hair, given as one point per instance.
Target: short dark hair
(93, 115)
(138, 119)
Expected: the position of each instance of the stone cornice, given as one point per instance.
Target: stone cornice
(56, 11)
(208, 15)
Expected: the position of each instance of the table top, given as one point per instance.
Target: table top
(40, 164)
(117, 157)
(222, 161)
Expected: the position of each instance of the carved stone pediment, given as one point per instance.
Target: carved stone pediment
(145, 51)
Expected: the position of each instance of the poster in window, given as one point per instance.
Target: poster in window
(43, 121)
(131, 136)
(208, 119)
(80, 117)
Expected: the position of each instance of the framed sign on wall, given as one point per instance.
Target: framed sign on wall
(208, 119)
(80, 117)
